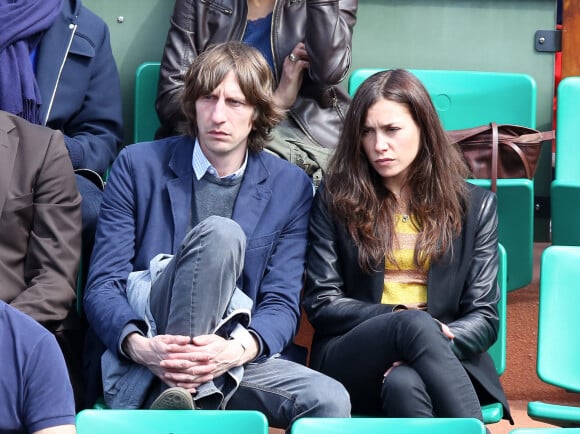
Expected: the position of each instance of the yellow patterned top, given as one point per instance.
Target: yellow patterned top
(403, 282)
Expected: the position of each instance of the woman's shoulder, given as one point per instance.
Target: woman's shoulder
(479, 193)
(481, 200)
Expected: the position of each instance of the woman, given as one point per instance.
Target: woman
(308, 45)
(402, 266)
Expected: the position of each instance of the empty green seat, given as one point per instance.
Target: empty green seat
(515, 199)
(558, 361)
(171, 421)
(465, 99)
(366, 425)
(565, 191)
(146, 121)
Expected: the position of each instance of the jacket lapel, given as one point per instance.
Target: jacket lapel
(8, 148)
(180, 188)
(253, 196)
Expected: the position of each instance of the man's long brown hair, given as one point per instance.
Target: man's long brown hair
(436, 178)
(254, 77)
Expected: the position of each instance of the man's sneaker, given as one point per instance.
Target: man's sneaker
(174, 398)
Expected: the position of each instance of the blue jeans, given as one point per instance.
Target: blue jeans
(286, 391)
(190, 298)
(192, 294)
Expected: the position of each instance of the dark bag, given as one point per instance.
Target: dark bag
(500, 151)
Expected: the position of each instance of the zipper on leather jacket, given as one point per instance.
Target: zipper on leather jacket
(334, 102)
(213, 5)
(73, 27)
(273, 25)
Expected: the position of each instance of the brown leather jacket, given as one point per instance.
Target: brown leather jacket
(325, 27)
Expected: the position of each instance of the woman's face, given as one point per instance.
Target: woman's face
(390, 139)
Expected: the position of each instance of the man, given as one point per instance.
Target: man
(40, 228)
(233, 217)
(36, 396)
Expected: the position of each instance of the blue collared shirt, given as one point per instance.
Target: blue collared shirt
(201, 165)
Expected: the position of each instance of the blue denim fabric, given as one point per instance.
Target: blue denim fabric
(286, 391)
(125, 383)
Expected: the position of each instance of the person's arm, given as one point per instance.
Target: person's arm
(48, 398)
(94, 133)
(329, 308)
(476, 327)
(276, 304)
(106, 305)
(329, 27)
(55, 239)
(178, 54)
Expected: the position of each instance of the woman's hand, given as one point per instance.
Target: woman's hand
(446, 331)
(291, 80)
(393, 366)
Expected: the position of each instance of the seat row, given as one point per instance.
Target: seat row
(254, 422)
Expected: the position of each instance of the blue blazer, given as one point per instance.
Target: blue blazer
(145, 211)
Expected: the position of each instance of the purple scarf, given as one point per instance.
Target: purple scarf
(21, 25)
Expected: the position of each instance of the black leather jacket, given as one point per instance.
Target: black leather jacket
(325, 26)
(462, 289)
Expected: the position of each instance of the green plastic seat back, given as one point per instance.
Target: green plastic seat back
(558, 360)
(146, 120)
(171, 421)
(466, 99)
(493, 413)
(568, 130)
(366, 425)
(515, 210)
(565, 188)
(498, 350)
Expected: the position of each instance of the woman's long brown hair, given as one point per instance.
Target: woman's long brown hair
(436, 178)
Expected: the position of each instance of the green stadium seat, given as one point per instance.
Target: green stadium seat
(360, 425)
(465, 99)
(558, 324)
(171, 421)
(565, 191)
(515, 199)
(146, 120)
(493, 413)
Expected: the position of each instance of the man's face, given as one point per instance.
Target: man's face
(224, 121)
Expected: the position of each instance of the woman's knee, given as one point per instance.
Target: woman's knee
(404, 394)
(400, 379)
(417, 326)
